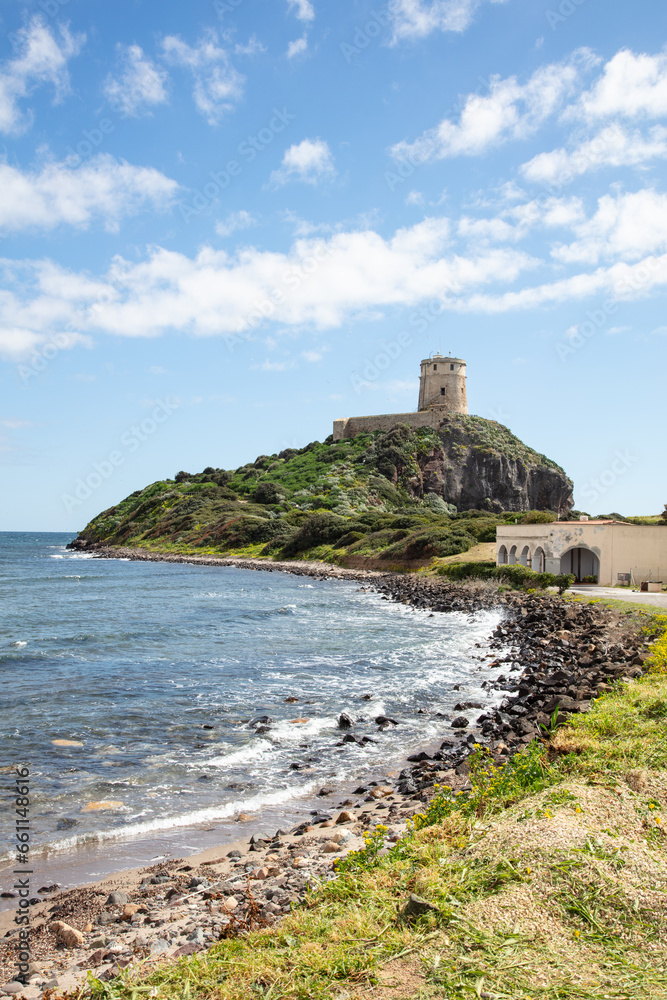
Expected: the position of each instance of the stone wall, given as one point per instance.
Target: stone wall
(349, 427)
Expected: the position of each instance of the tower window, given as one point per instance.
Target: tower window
(451, 368)
(442, 392)
(435, 368)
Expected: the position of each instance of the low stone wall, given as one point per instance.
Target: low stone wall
(349, 427)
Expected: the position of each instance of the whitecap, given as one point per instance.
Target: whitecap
(189, 819)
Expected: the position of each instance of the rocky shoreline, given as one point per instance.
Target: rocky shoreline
(557, 655)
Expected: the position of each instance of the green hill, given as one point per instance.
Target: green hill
(397, 496)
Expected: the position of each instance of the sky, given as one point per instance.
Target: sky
(227, 223)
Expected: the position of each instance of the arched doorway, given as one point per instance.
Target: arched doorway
(502, 556)
(583, 563)
(524, 558)
(512, 556)
(538, 560)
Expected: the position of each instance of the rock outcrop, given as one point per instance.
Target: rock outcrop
(477, 464)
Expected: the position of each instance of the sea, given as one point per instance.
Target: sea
(130, 690)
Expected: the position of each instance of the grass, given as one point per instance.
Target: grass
(625, 607)
(482, 552)
(548, 880)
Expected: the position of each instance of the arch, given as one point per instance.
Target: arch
(524, 558)
(580, 561)
(539, 561)
(502, 556)
(512, 556)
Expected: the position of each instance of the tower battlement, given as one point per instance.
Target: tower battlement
(442, 390)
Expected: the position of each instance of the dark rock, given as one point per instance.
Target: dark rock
(418, 907)
(261, 720)
(460, 723)
(344, 721)
(383, 720)
(117, 898)
(416, 758)
(191, 948)
(67, 823)
(234, 854)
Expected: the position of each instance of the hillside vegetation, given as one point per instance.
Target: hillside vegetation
(368, 497)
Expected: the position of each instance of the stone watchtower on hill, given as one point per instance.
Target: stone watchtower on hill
(442, 390)
(442, 385)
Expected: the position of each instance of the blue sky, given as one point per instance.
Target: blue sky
(227, 223)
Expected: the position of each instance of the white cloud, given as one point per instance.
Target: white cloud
(139, 85)
(511, 110)
(103, 188)
(43, 60)
(415, 198)
(625, 227)
(234, 222)
(297, 47)
(613, 146)
(157, 370)
(273, 366)
(303, 9)
(323, 282)
(309, 161)
(418, 18)
(515, 222)
(15, 424)
(318, 282)
(621, 282)
(632, 84)
(218, 86)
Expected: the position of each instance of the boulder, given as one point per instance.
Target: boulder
(67, 935)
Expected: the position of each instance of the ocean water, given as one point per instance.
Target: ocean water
(155, 670)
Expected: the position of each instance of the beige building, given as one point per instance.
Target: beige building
(442, 390)
(612, 551)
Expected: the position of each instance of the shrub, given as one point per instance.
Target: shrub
(349, 539)
(429, 543)
(518, 577)
(247, 530)
(537, 517)
(268, 493)
(318, 529)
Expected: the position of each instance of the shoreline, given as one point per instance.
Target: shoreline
(315, 569)
(541, 639)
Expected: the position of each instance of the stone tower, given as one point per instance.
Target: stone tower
(442, 385)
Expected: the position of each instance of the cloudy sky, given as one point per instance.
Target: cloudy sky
(226, 223)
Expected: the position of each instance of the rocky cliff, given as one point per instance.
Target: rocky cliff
(479, 464)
